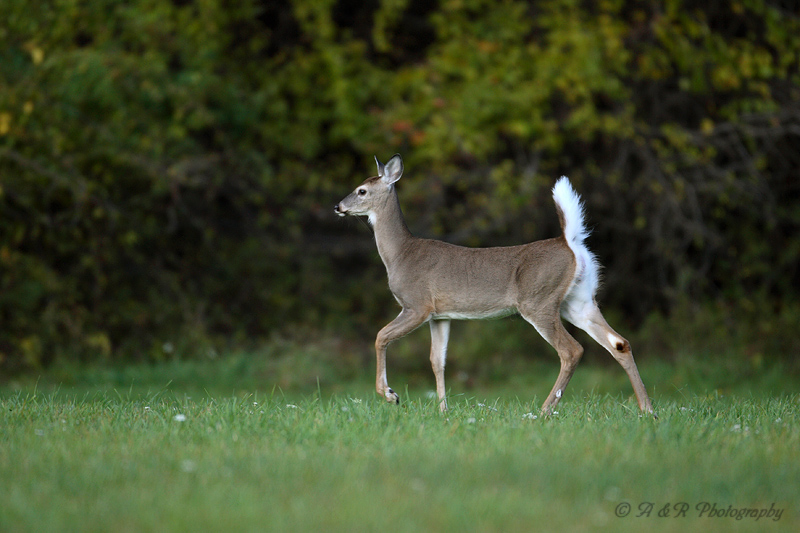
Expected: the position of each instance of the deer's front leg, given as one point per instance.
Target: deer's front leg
(406, 322)
(440, 332)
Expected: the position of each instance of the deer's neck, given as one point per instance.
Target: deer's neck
(391, 232)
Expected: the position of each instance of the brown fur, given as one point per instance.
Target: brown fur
(435, 282)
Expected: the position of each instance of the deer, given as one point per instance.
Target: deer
(436, 282)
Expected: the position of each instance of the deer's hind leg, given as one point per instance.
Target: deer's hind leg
(589, 318)
(549, 326)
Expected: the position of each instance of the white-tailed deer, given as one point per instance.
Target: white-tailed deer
(435, 282)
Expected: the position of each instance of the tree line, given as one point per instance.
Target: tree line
(168, 168)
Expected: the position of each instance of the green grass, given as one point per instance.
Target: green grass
(119, 449)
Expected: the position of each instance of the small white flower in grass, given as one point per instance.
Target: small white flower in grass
(291, 406)
(345, 408)
(778, 420)
(529, 416)
(355, 400)
(179, 418)
(471, 420)
(612, 494)
(146, 407)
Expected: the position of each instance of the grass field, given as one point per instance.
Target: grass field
(123, 450)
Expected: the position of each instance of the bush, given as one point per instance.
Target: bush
(168, 167)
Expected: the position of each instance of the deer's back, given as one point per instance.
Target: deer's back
(460, 282)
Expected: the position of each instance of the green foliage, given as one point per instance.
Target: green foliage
(166, 168)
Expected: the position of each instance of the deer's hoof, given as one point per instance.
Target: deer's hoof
(392, 397)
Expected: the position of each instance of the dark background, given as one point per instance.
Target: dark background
(168, 169)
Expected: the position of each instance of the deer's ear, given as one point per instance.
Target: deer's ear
(381, 168)
(392, 171)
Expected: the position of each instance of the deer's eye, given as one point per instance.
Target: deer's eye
(362, 192)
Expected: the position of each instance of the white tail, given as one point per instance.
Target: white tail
(435, 282)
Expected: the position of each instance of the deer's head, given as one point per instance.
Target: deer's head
(371, 195)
